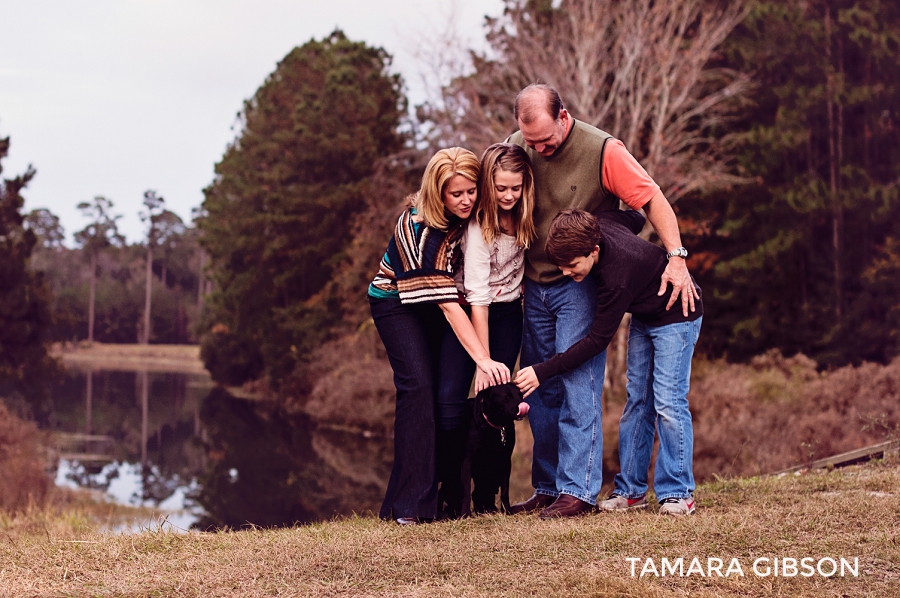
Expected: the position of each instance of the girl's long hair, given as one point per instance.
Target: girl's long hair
(444, 164)
(511, 158)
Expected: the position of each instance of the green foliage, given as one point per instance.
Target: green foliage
(783, 261)
(46, 227)
(881, 285)
(24, 315)
(275, 220)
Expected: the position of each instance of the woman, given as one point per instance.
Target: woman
(427, 335)
(495, 244)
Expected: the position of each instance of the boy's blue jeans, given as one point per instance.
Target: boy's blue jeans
(565, 414)
(659, 377)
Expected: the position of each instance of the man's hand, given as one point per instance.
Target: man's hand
(677, 273)
(527, 381)
(662, 217)
(482, 380)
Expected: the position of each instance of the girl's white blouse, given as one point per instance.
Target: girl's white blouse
(491, 274)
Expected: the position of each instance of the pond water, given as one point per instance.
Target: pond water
(175, 441)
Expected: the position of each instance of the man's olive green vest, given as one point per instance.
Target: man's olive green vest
(570, 178)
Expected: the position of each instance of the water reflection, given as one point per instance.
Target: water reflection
(173, 440)
(268, 468)
(132, 435)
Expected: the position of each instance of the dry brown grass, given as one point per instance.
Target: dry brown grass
(845, 513)
(23, 479)
(65, 512)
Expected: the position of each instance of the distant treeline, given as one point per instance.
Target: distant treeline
(120, 291)
(120, 271)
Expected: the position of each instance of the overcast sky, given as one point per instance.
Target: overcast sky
(114, 97)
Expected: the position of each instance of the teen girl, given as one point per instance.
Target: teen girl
(429, 339)
(495, 244)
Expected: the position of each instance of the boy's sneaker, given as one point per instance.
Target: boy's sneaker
(678, 506)
(620, 503)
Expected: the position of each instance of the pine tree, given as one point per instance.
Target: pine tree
(102, 232)
(275, 219)
(787, 258)
(24, 315)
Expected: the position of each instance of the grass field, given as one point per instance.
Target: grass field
(850, 513)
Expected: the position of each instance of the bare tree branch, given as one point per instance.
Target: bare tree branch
(639, 69)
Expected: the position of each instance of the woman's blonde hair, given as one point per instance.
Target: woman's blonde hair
(511, 158)
(442, 167)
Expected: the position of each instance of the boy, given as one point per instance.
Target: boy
(628, 272)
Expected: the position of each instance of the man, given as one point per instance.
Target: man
(627, 271)
(576, 166)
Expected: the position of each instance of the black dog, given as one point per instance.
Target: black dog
(488, 456)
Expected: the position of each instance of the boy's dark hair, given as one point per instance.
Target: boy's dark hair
(573, 234)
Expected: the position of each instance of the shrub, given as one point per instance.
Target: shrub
(22, 464)
(779, 412)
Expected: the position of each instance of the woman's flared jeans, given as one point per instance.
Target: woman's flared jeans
(432, 375)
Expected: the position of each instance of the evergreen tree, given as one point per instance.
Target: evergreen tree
(275, 219)
(45, 224)
(24, 316)
(792, 261)
(154, 216)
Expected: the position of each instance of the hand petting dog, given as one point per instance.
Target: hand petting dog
(527, 381)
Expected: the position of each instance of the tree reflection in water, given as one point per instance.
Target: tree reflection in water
(268, 468)
(244, 462)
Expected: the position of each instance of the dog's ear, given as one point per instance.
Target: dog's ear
(478, 407)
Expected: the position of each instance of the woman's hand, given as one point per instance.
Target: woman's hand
(527, 381)
(496, 372)
(482, 380)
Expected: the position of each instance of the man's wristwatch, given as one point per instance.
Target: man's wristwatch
(679, 252)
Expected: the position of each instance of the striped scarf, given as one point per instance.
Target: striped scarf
(420, 262)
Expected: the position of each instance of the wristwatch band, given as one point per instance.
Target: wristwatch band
(678, 252)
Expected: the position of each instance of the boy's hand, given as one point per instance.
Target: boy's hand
(527, 381)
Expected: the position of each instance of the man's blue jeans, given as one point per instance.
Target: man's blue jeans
(565, 414)
(659, 377)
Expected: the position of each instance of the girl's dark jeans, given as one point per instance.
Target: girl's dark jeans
(505, 332)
